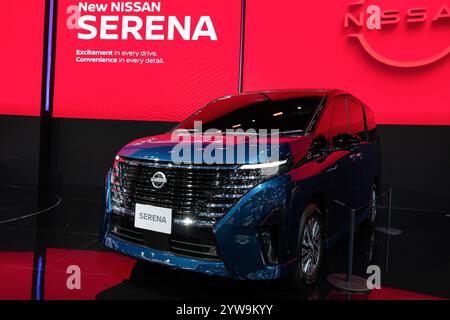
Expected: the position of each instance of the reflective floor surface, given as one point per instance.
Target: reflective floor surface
(45, 232)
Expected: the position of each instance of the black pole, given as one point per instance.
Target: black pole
(241, 51)
(39, 261)
(388, 229)
(48, 78)
(348, 282)
(351, 239)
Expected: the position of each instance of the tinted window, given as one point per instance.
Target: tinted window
(323, 125)
(356, 116)
(339, 124)
(289, 116)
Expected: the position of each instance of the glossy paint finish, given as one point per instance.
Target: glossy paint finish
(159, 148)
(237, 233)
(336, 178)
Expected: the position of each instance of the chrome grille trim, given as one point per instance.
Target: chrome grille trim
(192, 251)
(161, 164)
(193, 244)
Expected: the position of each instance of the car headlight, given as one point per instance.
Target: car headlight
(268, 169)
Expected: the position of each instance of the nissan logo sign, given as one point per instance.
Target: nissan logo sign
(158, 180)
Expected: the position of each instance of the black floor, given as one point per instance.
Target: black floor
(44, 232)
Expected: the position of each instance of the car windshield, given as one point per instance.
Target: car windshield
(290, 116)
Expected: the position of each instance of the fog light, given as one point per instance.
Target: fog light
(187, 221)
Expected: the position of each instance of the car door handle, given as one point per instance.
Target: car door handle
(332, 168)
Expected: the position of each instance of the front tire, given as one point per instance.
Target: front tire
(309, 249)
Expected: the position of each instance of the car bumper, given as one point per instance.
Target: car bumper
(216, 268)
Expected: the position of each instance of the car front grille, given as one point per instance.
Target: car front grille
(198, 194)
(199, 197)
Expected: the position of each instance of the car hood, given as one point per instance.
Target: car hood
(161, 148)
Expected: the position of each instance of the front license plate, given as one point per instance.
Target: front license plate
(153, 218)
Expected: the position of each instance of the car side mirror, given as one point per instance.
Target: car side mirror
(319, 147)
(345, 141)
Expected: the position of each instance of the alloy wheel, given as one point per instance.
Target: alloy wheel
(311, 247)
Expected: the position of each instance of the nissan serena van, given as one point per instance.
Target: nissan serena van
(200, 198)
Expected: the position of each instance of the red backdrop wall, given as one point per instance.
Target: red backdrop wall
(193, 73)
(300, 44)
(21, 34)
(289, 44)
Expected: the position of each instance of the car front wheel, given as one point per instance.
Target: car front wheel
(309, 249)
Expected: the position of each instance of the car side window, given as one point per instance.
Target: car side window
(321, 142)
(339, 123)
(343, 136)
(356, 117)
(323, 124)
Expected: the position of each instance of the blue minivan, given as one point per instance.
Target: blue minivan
(256, 217)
